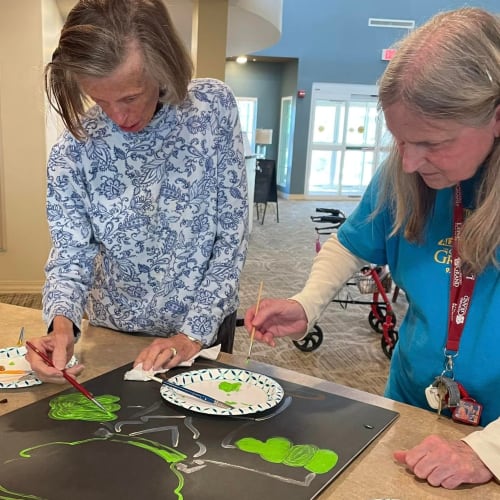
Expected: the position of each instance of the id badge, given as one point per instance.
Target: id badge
(467, 411)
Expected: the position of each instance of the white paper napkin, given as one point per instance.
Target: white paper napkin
(137, 373)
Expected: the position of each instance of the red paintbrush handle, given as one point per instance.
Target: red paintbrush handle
(40, 353)
(68, 377)
(77, 385)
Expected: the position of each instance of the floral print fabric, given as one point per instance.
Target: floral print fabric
(149, 229)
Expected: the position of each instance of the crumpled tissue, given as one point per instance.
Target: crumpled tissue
(138, 374)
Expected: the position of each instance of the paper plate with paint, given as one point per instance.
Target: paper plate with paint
(15, 371)
(246, 392)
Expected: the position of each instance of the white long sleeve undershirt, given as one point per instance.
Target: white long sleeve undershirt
(332, 267)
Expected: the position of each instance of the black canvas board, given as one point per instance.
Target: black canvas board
(156, 450)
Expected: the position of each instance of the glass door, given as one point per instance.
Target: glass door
(285, 142)
(345, 140)
(247, 108)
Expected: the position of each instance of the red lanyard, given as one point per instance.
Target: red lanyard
(461, 287)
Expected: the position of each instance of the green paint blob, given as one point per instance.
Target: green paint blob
(250, 445)
(282, 450)
(300, 455)
(322, 461)
(230, 386)
(275, 449)
(77, 407)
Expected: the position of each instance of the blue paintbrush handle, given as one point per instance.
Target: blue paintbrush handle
(199, 395)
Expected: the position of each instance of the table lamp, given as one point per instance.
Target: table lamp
(263, 138)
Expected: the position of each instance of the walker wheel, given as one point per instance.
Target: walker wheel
(377, 323)
(311, 341)
(388, 348)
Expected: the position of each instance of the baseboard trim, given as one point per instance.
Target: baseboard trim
(288, 196)
(21, 286)
(303, 197)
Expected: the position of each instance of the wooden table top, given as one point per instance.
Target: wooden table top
(373, 475)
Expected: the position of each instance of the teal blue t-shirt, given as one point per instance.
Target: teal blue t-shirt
(423, 272)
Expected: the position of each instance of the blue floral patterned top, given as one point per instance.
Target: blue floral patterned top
(149, 229)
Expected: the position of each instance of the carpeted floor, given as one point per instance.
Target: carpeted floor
(33, 300)
(280, 254)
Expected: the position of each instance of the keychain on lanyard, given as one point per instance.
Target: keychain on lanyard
(445, 391)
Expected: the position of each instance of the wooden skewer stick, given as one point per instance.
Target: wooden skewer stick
(253, 328)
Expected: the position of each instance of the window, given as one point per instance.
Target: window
(247, 107)
(346, 139)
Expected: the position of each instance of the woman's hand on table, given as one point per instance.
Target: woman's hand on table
(167, 352)
(444, 463)
(59, 348)
(276, 318)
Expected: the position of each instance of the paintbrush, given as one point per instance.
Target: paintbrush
(253, 328)
(21, 337)
(199, 395)
(68, 377)
(14, 372)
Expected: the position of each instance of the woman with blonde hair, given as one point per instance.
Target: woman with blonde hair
(432, 213)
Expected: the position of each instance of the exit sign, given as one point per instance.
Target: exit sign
(388, 54)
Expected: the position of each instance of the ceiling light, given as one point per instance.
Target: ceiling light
(241, 59)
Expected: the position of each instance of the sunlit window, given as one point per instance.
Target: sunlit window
(247, 107)
(347, 139)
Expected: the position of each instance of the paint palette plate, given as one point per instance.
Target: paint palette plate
(12, 359)
(247, 392)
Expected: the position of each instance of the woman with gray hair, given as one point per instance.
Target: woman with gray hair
(147, 194)
(432, 213)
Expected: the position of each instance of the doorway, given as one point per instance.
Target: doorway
(345, 143)
(285, 141)
(247, 108)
